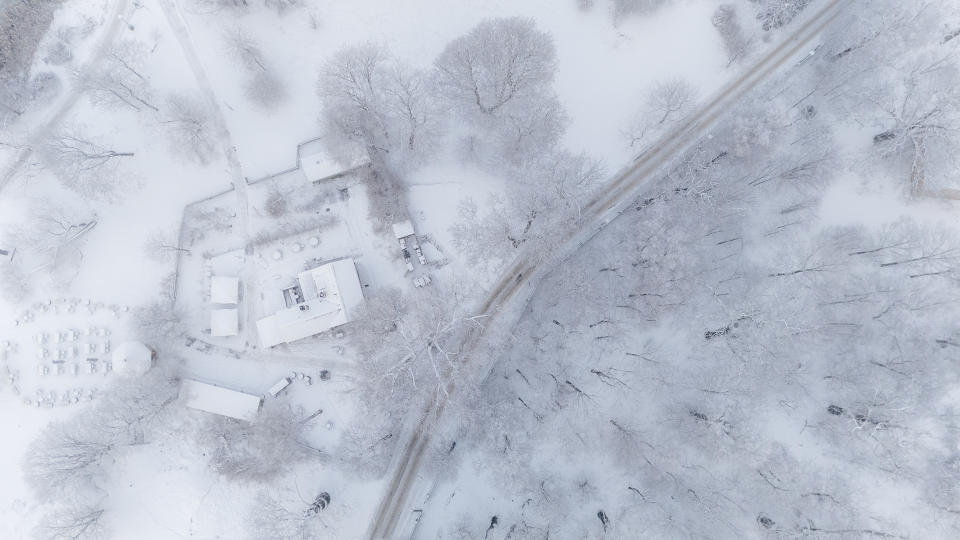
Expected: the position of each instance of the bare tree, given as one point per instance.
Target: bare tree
(889, 72)
(189, 127)
(266, 89)
(376, 105)
(532, 132)
(162, 245)
(242, 47)
(498, 63)
(411, 346)
(160, 322)
(727, 23)
(268, 519)
(667, 103)
(483, 238)
(259, 450)
(66, 458)
(86, 165)
(623, 8)
(585, 5)
(546, 196)
(50, 240)
(118, 80)
(282, 6)
(74, 519)
(15, 283)
(215, 6)
(132, 409)
(263, 86)
(921, 115)
(499, 76)
(367, 447)
(24, 24)
(776, 13)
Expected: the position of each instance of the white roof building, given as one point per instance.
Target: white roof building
(323, 298)
(318, 166)
(132, 358)
(403, 229)
(219, 400)
(224, 322)
(224, 290)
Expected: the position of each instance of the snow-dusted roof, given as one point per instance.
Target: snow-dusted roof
(403, 229)
(317, 166)
(219, 400)
(341, 296)
(224, 290)
(132, 358)
(224, 322)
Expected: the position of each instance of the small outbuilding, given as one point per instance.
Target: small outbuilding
(224, 322)
(403, 229)
(224, 290)
(132, 358)
(218, 400)
(324, 297)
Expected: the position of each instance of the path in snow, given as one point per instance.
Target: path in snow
(177, 24)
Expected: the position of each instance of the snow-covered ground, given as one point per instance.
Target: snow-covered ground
(162, 490)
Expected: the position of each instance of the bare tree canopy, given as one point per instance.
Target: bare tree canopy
(624, 8)
(86, 165)
(50, 241)
(73, 519)
(189, 127)
(66, 458)
(255, 451)
(22, 27)
(667, 103)
(263, 85)
(498, 63)
(378, 105)
(776, 13)
(725, 19)
(119, 80)
(546, 196)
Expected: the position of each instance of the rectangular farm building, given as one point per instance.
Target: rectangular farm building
(219, 400)
(322, 298)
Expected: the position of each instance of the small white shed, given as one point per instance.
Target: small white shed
(224, 322)
(218, 400)
(224, 290)
(403, 229)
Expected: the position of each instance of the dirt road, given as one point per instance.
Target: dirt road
(392, 520)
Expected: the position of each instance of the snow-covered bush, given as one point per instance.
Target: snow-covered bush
(776, 13)
(725, 20)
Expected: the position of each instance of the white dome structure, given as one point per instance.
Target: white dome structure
(132, 358)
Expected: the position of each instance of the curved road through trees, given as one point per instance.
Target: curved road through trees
(529, 269)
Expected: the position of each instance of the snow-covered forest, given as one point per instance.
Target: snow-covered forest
(557, 269)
